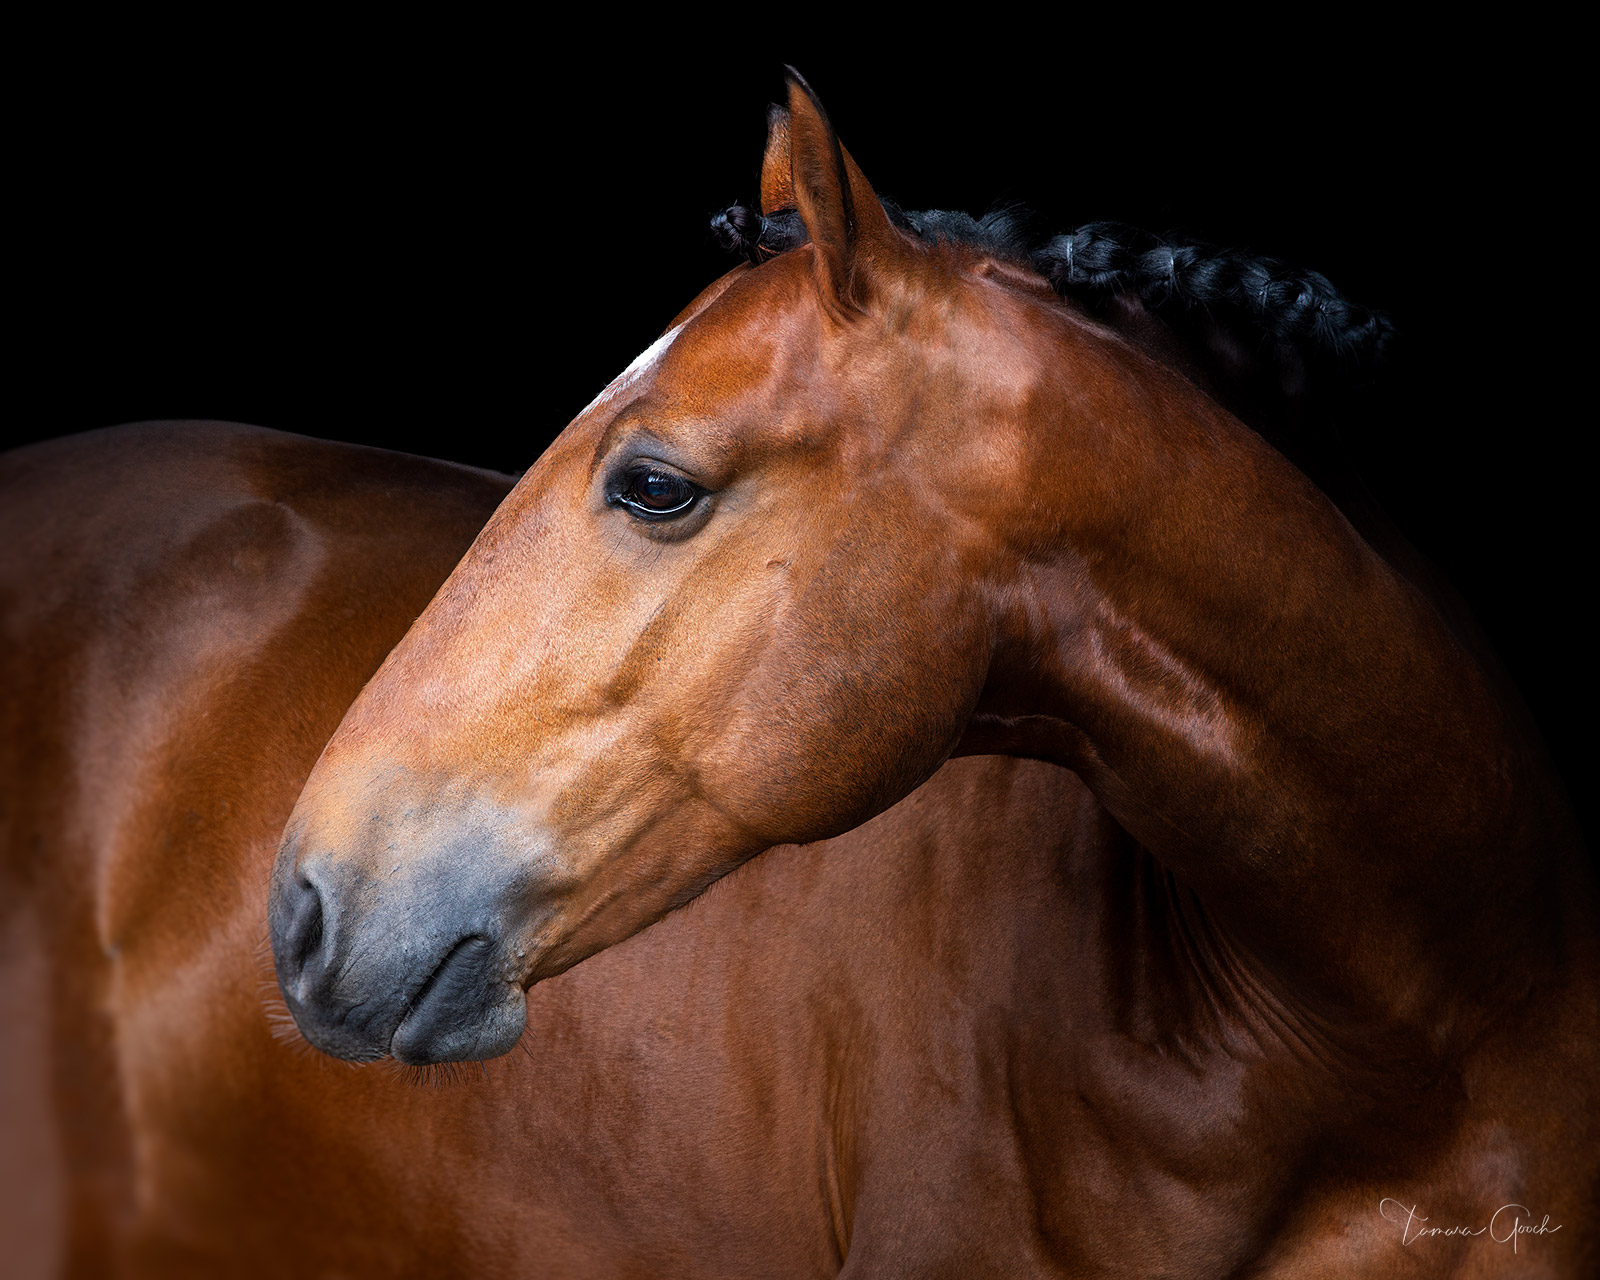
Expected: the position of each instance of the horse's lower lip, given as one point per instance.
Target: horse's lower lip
(465, 1008)
(453, 971)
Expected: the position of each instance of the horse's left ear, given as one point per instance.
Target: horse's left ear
(856, 245)
(777, 185)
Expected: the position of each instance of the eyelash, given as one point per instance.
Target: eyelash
(624, 492)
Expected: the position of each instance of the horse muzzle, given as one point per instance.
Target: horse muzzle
(421, 967)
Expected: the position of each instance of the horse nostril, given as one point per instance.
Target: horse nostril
(303, 938)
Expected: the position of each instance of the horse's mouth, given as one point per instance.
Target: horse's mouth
(464, 1008)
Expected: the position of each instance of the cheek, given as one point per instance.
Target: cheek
(834, 724)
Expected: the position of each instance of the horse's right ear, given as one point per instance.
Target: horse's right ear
(855, 244)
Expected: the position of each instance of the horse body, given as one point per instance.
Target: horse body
(873, 503)
(188, 609)
(815, 1060)
(1298, 940)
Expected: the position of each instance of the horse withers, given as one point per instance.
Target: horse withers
(884, 499)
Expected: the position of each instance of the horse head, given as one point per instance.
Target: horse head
(759, 590)
(749, 597)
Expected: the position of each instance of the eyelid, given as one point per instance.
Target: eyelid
(617, 485)
(630, 436)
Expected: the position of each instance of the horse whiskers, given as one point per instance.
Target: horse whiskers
(436, 1075)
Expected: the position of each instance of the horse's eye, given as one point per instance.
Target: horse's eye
(655, 493)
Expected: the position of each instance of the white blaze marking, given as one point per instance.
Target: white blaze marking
(643, 363)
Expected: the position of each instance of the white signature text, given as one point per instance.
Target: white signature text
(1508, 1225)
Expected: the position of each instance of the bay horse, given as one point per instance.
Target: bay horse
(1148, 1014)
(189, 609)
(883, 500)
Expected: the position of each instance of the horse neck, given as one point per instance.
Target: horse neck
(1274, 394)
(1262, 699)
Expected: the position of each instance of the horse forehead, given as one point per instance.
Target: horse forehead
(767, 332)
(635, 375)
(763, 338)
(711, 351)
(755, 325)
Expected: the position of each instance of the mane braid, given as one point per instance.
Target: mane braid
(1299, 313)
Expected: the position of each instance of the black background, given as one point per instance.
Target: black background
(447, 241)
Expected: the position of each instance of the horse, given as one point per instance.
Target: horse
(877, 501)
(989, 1030)
(190, 609)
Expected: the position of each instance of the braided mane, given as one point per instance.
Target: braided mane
(1298, 315)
